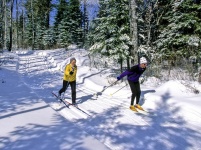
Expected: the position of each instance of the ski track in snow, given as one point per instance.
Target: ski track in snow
(110, 120)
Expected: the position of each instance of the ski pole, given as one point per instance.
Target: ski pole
(106, 87)
(118, 90)
(110, 85)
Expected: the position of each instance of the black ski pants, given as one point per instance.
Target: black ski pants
(136, 92)
(73, 89)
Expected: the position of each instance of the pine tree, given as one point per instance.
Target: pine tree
(68, 23)
(147, 22)
(37, 21)
(180, 30)
(75, 21)
(21, 30)
(62, 9)
(39, 37)
(111, 34)
(85, 22)
(49, 38)
(64, 36)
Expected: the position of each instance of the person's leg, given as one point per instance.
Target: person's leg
(138, 92)
(73, 91)
(63, 89)
(132, 87)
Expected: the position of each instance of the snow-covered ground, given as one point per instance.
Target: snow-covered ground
(31, 118)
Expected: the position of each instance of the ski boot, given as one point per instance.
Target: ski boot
(133, 108)
(139, 107)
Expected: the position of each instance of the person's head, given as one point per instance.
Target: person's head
(143, 62)
(73, 61)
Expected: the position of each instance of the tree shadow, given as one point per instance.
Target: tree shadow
(83, 99)
(115, 127)
(11, 94)
(165, 130)
(62, 134)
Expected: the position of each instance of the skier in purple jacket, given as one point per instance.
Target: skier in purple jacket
(133, 74)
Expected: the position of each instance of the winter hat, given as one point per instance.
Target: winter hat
(73, 58)
(143, 60)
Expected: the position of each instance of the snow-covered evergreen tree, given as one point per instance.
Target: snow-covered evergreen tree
(75, 22)
(180, 30)
(49, 39)
(111, 33)
(68, 24)
(64, 37)
(62, 9)
(85, 21)
(39, 37)
(28, 33)
(37, 20)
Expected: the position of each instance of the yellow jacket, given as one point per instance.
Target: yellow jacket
(67, 75)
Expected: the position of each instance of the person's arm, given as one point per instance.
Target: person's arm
(67, 70)
(127, 72)
(74, 71)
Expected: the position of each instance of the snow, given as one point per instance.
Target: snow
(31, 118)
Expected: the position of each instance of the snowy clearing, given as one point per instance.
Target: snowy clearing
(31, 118)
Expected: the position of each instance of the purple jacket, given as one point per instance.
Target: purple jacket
(133, 74)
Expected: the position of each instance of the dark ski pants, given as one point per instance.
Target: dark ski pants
(135, 89)
(73, 89)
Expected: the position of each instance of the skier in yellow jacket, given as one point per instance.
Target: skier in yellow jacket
(70, 78)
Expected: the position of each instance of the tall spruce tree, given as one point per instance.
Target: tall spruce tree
(180, 30)
(62, 9)
(68, 23)
(85, 22)
(49, 39)
(75, 21)
(111, 33)
(21, 30)
(64, 36)
(37, 21)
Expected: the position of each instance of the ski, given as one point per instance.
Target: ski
(145, 112)
(67, 104)
(139, 111)
(60, 99)
(77, 108)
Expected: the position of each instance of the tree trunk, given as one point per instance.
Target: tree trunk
(128, 63)
(199, 78)
(23, 29)
(33, 28)
(149, 26)
(11, 25)
(17, 25)
(1, 24)
(85, 22)
(121, 65)
(133, 30)
(5, 25)
(47, 15)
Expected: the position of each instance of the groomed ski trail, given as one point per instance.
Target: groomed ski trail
(48, 67)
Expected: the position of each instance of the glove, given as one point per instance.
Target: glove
(71, 72)
(118, 78)
(141, 80)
